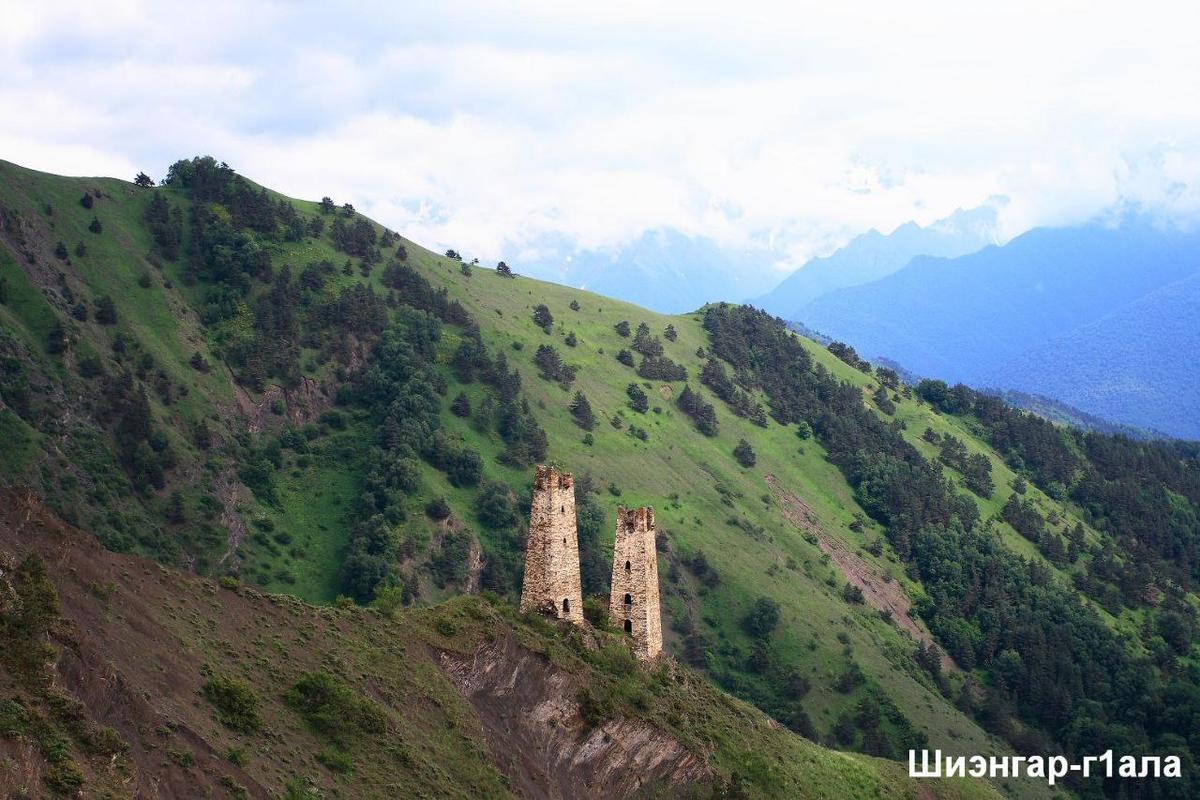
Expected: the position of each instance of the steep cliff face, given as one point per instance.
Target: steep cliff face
(537, 733)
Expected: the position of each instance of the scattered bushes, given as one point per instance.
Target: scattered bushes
(744, 454)
(334, 709)
(762, 619)
(437, 508)
(235, 702)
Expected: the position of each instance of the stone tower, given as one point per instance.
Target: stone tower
(633, 604)
(552, 551)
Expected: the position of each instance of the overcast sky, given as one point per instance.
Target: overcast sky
(488, 127)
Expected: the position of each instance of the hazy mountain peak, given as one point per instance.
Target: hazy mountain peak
(1098, 315)
(874, 255)
(663, 269)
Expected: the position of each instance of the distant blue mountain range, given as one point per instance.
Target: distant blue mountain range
(874, 255)
(1104, 316)
(663, 270)
(1137, 365)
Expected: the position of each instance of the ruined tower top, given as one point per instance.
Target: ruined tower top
(551, 582)
(634, 604)
(549, 479)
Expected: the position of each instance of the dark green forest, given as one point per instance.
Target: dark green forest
(1054, 674)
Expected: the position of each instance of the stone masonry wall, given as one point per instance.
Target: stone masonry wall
(634, 604)
(551, 580)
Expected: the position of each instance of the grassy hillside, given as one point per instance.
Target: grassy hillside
(166, 683)
(265, 464)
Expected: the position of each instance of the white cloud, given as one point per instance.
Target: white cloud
(791, 127)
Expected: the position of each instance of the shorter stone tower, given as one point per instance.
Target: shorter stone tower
(552, 550)
(633, 604)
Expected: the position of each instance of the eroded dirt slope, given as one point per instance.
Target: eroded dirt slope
(136, 643)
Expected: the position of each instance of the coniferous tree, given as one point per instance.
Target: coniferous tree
(542, 316)
(581, 410)
(882, 400)
(744, 454)
(57, 340)
(637, 398)
(548, 361)
(461, 406)
(661, 368)
(106, 311)
(702, 414)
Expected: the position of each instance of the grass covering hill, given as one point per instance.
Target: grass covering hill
(287, 392)
(121, 677)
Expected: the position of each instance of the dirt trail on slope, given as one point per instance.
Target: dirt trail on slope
(882, 595)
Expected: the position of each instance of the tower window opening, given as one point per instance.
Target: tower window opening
(629, 626)
(564, 540)
(627, 566)
(562, 509)
(566, 606)
(628, 599)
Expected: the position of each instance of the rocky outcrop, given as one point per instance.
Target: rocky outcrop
(538, 737)
(298, 405)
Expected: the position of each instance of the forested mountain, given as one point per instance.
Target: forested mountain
(1138, 364)
(288, 396)
(1072, 313)
(874, 255)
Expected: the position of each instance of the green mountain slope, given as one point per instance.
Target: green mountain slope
(121, 678)
(301, 432)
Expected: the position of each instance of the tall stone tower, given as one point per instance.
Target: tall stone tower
(552, 551)
(633, 604)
